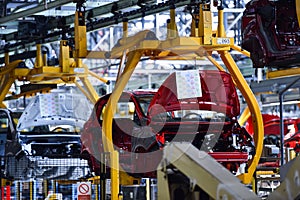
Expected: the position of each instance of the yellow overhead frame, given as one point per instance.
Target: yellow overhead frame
(202, 43)
(68, 71)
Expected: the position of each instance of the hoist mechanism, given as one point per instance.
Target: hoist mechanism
(201, 43)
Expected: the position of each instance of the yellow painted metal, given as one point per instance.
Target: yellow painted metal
(84, 91)
(254, 109)
(135, 42)
(125, 29)
(67, 72)
(239, 49)
(205, 24)
(143, 43)
(91, 91)
(298, 11)
(214, 62)
(244, 116)
(221, 28)
(173, 32)
(9, 67)
(7, 79)
(193, 27)
(114, 174)
(64, 56)
(31, 190)
(80, 35)
(282, 73)
(39, 58)
(133, 59)
(97, 54)
(45, 186)
(6, 58)
(104, 80)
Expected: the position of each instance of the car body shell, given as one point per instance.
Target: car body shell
(140, 139)
(270, 32)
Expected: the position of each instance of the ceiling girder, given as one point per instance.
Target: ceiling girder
(32, 11)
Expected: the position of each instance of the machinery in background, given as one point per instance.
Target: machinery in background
(46, 141)
(271, 32)
(198, 107)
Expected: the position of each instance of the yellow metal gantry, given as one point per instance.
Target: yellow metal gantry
(68, 71)
(202, 42)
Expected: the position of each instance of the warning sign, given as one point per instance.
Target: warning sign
(84, 190)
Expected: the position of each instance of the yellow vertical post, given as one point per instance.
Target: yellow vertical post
(205, 24)
(194, 32)
(31, 190)
(96, 191)
(45, 185)
(221, 30)
(132, 61)
(80, 35)
(125, 28)
(115, 175)
(45, 59)
(298, 11)
(39, 58)
(168, 29)
(254, 109)
(173, 27)
(6, 58)
(64, 56)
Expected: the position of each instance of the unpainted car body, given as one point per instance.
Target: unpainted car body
(199, 107)
(45, 142)
(271, 33)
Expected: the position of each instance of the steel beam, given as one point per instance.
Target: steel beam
(33, 10)
(273, 85)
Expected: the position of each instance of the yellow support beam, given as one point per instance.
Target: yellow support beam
(80, 35)
(283, 73)
(132, 61)
(145, 43)
(39, 57)
(64, 56)
(244, 116)
(255, 111)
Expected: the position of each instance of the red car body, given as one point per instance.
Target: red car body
(272, 131)
(271, 33)
(208, 121)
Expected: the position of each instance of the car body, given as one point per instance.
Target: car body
(198, 107)
(270, 32)
(272, 128)
(45, 143)
(272, 136)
